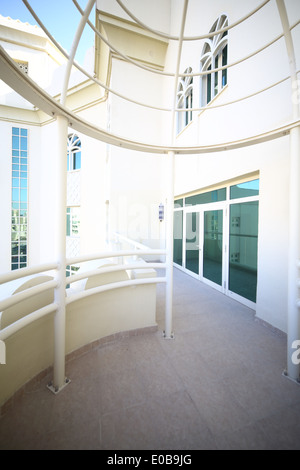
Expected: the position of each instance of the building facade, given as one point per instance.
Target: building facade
(232, 204)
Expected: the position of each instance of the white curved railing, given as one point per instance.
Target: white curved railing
(72, 297)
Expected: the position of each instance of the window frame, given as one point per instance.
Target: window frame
(184, 100)
(214, 55)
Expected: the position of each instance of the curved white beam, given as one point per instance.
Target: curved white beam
(189, 38)
(11, 74)
(74, 47)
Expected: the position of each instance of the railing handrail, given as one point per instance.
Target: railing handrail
(24, 272)
(26, 294)
(115, 268)
(113, 285)
(24, 321)
(113, 254)
(134, 243)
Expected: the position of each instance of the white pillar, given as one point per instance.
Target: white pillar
(293, 333)
(169, 245)
(60, 156)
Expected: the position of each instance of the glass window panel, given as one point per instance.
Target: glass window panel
(15, 153)
(224, 62)
(15, 194)
(23, 143)
(178, 203)
(24, 132)
(15, 131)
(23, 265)
(178, 235)
(208, 86)
(23, 161)
(14, 248)
(15, 143)
(16, 160)
(192, 242)
(14, 266)
(68, 223)
(205, 198)
(77, 161)
(15, 182)
(14, 236)
(23, 183)
(23, 249)
(16, 167)
(23, 195)
(23, 205)
(249, 188)
(24, 154)
(213, 246)
(23, 174)
(23, 167)
(15, 174)
(243, 249)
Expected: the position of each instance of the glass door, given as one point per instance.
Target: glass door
(213, 246)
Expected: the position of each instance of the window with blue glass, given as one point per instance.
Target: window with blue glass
(74, 153)
(19, 198)
(214, 61)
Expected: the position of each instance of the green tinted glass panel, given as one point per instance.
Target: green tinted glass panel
(178, 203)
(192, 242)
(213, 246)
(177, 245)
(243, 249)
(250, 188)
(205, 198)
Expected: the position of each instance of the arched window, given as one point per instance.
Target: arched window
(74, 152)
(185, 100)
(214, 55)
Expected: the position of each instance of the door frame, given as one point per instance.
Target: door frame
(201, 209)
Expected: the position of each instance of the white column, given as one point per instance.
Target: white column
(293, 333)
(169, 245)
(60, 157)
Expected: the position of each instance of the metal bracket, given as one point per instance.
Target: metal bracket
(168, 337)
(56, 390)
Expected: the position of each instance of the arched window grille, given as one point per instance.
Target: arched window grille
(214, 55)
(185, 100)
(74, 152)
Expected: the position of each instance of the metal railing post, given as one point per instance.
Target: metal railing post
(168, 333)
(293, 316)
(59, 379)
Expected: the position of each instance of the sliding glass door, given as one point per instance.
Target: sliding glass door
(216, 238)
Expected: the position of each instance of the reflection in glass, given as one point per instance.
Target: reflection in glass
(192, 242)
(243, 249)
(249, 188)
(213, 246)
(205, 198)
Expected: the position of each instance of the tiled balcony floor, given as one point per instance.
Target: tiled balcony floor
(217, 385)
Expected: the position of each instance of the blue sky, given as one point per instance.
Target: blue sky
(60, 17)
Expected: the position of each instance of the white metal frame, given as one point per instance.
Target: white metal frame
(22, 84)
